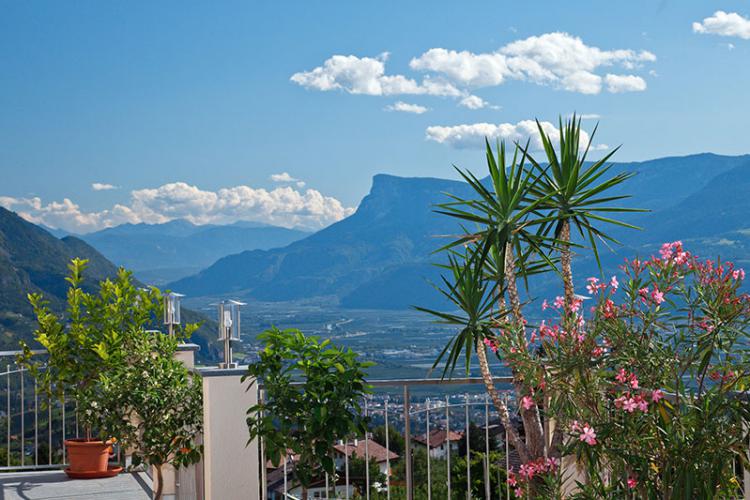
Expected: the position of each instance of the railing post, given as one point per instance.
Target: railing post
(448, 443)
(468, 449)
(407, 448)
(231, 465)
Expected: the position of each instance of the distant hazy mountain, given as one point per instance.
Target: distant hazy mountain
(380, 256)
(33, 260)
(158, 253)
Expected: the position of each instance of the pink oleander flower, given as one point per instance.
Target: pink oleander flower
(657, 296)
(559, 302)
(738, 274)
(609, 309)
(613, 283)
(527, 402)
(643, 292)
(673, 252)
(575, 426)
(545, 305)
(597, 351)
(492, 345)
(592, 286)
(576, 305)
(633, 381)
(629, 405)
(580, 321)
(657, 395)
(518, 492)
(632, 483)
(512, 479)
(588, 435)
(641, 403)
(622, 376)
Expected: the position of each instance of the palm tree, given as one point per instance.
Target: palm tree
(575, 194)
(504, 231)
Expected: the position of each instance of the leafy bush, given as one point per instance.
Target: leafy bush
(307, 418)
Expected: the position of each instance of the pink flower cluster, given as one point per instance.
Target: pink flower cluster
(656, 296)
(559, 303)
(673, 252)
(717, 376)
(491, 344)
(624, 377)
(587, 434)
(527, 471)
(630, 403)
(594, 286)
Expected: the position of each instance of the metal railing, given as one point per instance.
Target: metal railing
(394, 406)
(36, 426)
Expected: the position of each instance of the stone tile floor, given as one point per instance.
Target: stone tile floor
(56, 485)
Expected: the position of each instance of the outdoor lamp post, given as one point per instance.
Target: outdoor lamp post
(229, 329)
(172, 310)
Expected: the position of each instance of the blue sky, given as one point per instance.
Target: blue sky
(171, 102)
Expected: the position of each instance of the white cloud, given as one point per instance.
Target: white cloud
(100, 186)
(405, 107)
(284, 206)
(624, 83)
(559, 60)
(366, 75)
(556, 59)
(586, 116)
(730, 46)
(283, 177)
(724, 24)
(473, 135)
(473, 102)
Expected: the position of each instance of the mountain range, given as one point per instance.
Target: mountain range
(158, 253)
(34, 261)
(382, 255)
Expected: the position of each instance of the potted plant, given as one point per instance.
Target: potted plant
(162, 404)
(83, 352)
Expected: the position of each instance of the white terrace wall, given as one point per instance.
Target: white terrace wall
(231, 468)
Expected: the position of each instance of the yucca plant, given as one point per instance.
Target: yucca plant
(576, 194)
(489, 268)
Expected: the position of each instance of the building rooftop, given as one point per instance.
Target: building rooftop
(374, 450)
(438, 437)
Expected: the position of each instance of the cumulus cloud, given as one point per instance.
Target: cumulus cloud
(366, 75)
(473, 102)
(555, 59)
(558, 60)
(405, 107)
(283, 177)
(284, 206)
(473, 135)
(100, 186)
(624, 83)
(724, 24)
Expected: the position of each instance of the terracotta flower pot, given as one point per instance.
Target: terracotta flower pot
(88, 458)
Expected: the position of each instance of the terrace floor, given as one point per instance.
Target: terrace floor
(55, 484)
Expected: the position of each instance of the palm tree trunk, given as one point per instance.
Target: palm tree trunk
(502, 408)
(532, 422)
(565, 262)
(510, 277)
